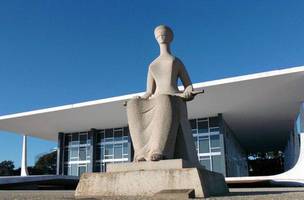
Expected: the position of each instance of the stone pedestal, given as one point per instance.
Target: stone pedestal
(147, 179)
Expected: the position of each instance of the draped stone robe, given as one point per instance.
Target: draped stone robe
(159, 124)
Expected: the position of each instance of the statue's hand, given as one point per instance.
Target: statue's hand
(145, 96)
(187, 94)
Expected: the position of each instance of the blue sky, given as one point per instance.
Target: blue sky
(60, 52)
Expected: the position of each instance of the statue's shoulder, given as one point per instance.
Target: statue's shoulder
(178, 63)
(177, 60)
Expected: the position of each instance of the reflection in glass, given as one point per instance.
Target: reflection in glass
(83, 138)
(202, 126)
(125, 148)
(206, 135)
(217, 164)
(118, 136)
(82, 169)
(193, 123)
(109, 133)
(215, 140)
(203, 145)
(206, 163)
(73, 170)
(82, 153)
(117, 151)
(213, 121)
(74, 153)
(108, 150)
(75, 140)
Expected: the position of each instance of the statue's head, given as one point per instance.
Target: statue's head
(163, 34)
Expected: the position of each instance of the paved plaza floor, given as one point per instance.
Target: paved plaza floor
(235, 194)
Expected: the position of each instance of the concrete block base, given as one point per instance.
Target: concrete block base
(147, 183)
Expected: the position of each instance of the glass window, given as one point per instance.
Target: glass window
(213, 122)
(118, 151)
(82, 169)
(203, 126)
(102, 153)
(126, 131)
(82, 153)
(206, 163)
(108, 150)
(109, 133)
(125, 148)
(88, 152)
(202, 119)
(215, 129)
(193, 123)
(83, 138)
(103, 167)
(118, 135)
(216, 149)
(217, 165)
(74, 153)
(195, 142)
(98, 137)
(111, 144)
(101, 136)
(75, 140)
(204, 145)
(73, 169)
(215, 140)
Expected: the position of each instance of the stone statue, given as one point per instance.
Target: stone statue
(158, 121)
(159, 129)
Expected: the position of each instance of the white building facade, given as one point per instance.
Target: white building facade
(251, 113)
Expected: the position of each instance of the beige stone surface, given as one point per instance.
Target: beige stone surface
(149, 182)
(158, 120)
(159, 165)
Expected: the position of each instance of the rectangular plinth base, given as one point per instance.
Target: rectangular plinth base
(150, 182)
(149, 165)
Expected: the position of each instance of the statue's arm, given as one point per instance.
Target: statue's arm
(150, 86)
(184, 76)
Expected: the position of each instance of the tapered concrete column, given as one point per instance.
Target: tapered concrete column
(24, 171)
(60, 151)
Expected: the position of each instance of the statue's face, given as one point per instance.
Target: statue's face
(163, 36)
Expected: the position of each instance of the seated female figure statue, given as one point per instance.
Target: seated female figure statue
(158, 121)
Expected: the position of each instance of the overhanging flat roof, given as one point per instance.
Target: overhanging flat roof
(259, 108)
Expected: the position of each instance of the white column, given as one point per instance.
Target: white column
(24, 171)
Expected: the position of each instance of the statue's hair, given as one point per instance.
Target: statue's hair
(164, 27)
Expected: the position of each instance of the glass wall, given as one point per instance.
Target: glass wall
(299, 122)
(99, 147)
(112, 145)
(77, 153)
(292, 148)
(235, 155)
(209, 143)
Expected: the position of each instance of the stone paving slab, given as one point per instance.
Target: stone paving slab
(235, 194)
